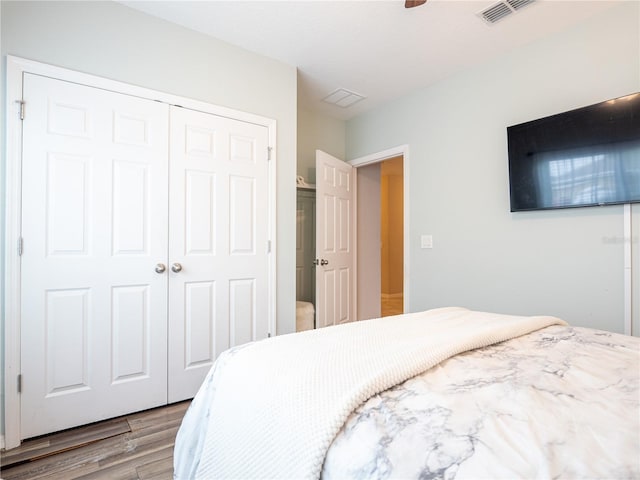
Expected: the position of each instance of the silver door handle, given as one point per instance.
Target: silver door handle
(160, 268)
(176, 268)
(324, 262)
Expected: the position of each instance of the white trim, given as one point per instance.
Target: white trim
(354, 245)
(273, 234)
(380, 156)
(11, 259)
(628, 271)
(400, 150)
(16, 67)
(73, 76)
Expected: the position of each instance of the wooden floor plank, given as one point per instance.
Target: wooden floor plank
(69, 474)
(159, 470)
(16, 455)
(141, 448)
(66, 440)
(129, 467)
(171, 413)
(155, 428)
(67, 461)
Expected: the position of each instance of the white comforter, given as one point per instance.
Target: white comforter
(272, 408)
(561, 402)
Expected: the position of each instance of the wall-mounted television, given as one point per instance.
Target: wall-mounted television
(584, 157)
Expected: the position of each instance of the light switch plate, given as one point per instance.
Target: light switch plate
(426, 241)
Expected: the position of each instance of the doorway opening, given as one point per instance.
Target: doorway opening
(349, 258)
(391, 237)
(381, 238)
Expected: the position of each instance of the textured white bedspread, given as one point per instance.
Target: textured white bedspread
(275, 406)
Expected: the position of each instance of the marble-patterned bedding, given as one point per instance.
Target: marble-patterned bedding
(561, 402)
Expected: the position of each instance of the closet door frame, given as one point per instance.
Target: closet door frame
(16, 68)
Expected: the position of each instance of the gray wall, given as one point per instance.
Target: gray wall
(567, 263)
(369, 275)
(116, 42)
(318, 132)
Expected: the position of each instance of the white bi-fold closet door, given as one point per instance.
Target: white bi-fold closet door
(144, 251)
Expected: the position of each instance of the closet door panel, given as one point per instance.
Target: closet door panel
(200, 309)
(200, 213)
(242, 314)
(218, 237)
(131, 328)
(94, 223)
(130, 208)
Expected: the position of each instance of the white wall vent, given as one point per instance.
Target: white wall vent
(498, 11)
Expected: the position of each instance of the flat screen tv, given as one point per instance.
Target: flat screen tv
(585, 157)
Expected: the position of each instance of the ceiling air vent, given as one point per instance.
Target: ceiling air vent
(343, 98)
(498, 11)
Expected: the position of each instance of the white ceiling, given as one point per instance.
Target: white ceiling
(377, 49)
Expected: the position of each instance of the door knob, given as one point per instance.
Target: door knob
(324, 262)
(176, 268)
(160, 268)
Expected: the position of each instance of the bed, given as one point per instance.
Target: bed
(442, 394)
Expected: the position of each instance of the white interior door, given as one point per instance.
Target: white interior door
(335, 240)
(94, 224)
(218, 241)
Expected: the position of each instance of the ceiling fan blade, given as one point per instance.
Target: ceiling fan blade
(414, 3)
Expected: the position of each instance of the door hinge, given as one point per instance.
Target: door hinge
(269, 153)
(268, 246)
(21, 102)
(269, 335)
(20, 246)
(20, 383)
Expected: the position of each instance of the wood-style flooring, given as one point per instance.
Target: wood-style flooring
(391, 306)
(137, 446)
